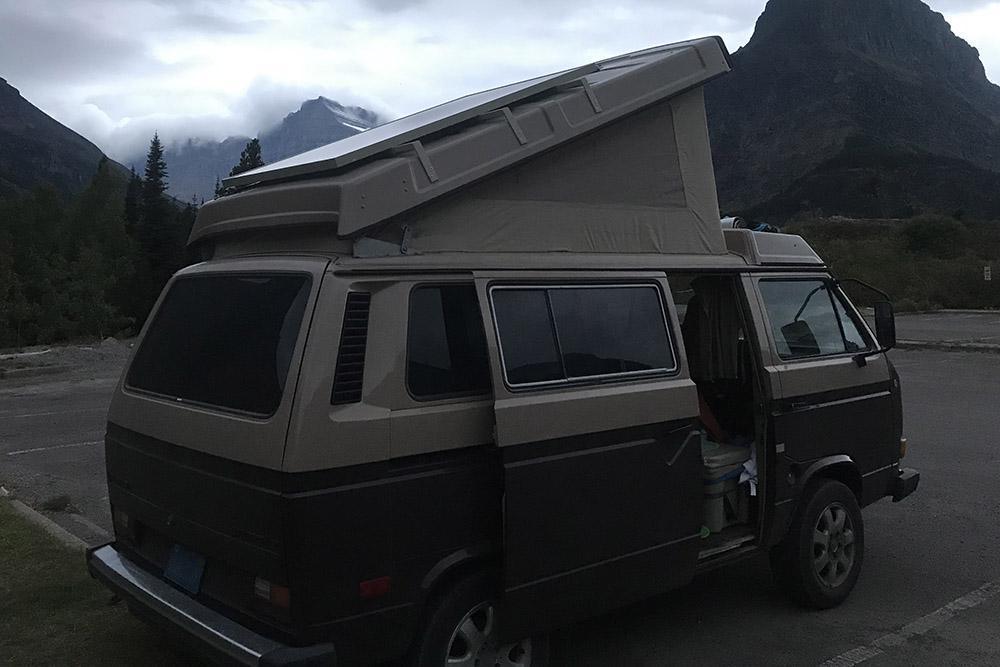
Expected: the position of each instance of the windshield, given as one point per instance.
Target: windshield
(223, 340)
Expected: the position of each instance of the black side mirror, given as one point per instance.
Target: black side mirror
(885, 325)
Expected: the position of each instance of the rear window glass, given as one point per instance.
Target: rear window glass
(223, 341)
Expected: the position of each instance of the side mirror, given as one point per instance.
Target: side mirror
(885, 325)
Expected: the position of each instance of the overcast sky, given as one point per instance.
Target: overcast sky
(117, 71)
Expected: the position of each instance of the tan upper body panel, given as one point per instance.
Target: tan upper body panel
(542, 413)
(243, 438)
(388, 422)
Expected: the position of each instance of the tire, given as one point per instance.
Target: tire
(819, 561)
(460, 628)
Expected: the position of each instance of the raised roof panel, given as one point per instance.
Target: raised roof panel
(612, 157)
(403, 130)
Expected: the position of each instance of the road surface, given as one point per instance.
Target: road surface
(929, 593)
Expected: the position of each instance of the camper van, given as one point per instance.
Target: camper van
(446, 385)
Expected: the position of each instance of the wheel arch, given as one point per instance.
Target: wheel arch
(456, 565)
(840, 467)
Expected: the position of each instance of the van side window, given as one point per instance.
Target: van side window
(804, 320)
(530, 352)
(560, 334)
(446, 346)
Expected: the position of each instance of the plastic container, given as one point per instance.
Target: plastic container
(725, 498)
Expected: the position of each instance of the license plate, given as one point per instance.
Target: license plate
(185, 568)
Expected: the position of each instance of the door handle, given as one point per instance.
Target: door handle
(800, 405)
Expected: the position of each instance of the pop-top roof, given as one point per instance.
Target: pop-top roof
(410, 128)
(359, 182)
(403, 130)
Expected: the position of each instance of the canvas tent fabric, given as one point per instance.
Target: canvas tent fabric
(615, 159)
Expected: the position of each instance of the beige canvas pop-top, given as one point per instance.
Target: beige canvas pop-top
(627, 168)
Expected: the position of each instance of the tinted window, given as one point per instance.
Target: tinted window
(223, 341)
(559, 334)
(802, 318)
(610, 330)
(527, 340)
(446, 347)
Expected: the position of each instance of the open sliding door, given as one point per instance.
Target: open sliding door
(595, 420)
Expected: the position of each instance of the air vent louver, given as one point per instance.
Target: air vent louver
(349, 376)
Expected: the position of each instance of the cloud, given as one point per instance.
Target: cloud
(210, 23)
(946, 6)
(118, 71)
(35, 47)
(392, 5)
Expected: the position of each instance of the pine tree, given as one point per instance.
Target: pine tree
(132, 195)
(154, 183)
(218, 186)
(157, 233)
(250, 158)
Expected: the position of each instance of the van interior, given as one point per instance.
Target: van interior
(722, 365)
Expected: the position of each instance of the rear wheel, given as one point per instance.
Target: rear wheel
(461, 631)
(819, 561)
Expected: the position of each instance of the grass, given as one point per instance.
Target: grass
(924, 263)
(53, 613)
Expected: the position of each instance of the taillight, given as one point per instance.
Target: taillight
(375, 588)
(275, 594)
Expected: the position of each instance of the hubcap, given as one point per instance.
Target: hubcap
(833, 545)
(473, 643)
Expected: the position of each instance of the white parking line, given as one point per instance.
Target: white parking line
(45, 449)
(921, 626)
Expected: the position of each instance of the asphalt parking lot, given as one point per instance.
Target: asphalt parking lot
(929, 593)
(955, 326)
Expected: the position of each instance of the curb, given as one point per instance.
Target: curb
(15, 373)
(946, 346)
(65, 537)
(947, 311)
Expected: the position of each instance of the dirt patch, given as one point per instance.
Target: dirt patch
(99, 359)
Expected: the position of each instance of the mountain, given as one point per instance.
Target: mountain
(37, 150)
(855, 107)
(194, 165)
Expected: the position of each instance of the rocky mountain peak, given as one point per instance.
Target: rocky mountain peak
(906, 33)
(35, 149)
(860, 107)
(322, 108)
(196, 163)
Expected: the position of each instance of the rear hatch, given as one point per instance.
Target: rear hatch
(197, 428)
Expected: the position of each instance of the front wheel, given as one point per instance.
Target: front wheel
(460, 631)
(820, 559)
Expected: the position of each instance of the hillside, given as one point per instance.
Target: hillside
(37, 150)
(195, 164)
(856, 107)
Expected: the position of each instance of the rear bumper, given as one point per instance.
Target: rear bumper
(226, 640)
(904, 484)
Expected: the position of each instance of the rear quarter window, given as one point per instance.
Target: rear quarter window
(223, 341)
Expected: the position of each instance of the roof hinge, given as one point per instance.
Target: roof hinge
(587, 88)
(514, 126)
(425, 161)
